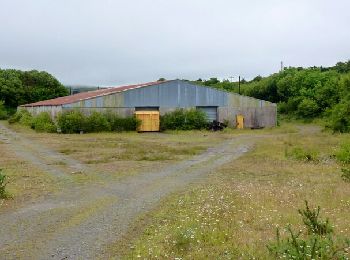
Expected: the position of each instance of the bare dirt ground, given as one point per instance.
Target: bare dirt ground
(80, 221)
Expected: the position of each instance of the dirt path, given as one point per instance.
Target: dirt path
(81, 222)
(38, 155)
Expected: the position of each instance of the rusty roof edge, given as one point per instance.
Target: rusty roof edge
(111, 93)
(141, 85)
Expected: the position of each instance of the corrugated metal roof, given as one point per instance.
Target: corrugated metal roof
(90, 94)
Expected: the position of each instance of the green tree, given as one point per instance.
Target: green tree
(3, 112)
(21, 87)
(308, 108)
(211, 81)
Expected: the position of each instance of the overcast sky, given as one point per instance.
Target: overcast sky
(117, 42)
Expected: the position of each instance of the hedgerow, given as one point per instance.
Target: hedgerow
(119, 124)
(75, 122)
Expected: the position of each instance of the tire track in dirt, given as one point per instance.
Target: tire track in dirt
(39, 155)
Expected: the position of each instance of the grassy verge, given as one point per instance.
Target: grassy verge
(235, 214)
(25, 182)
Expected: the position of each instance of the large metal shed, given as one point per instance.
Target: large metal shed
(165, 96)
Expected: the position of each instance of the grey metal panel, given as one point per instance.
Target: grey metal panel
(175, 93)
(210, 97)
(168, 94)
(88, 103)
(211, 112)
(146, 96)
(99, 102)
(187, 95)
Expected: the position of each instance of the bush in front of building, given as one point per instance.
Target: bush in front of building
(182, 119)
(96, 122)
(74, 122)
(71, 122)
(43, 123)
(22, 116)
(119, 124)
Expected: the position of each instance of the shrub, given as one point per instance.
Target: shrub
(119, 124)
(308, 108)
(317, 243)
(182, 119)
(96, 122)
(343, 155)
(3, 183)
(312, 221)
(301, 154)
(26, 119)
(75, 121)
(345, 174)
(71, 122)
(339, 118)
(282, 108)
(183, 238)
(3, 111)
(195, 119)
(173, 120)
(43, 123)
(21, 116)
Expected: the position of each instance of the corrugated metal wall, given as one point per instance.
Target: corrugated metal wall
(52, 110)
(177, 94)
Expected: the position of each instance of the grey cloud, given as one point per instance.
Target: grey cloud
(115, 42)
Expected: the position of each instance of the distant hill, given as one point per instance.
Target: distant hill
(74, 89)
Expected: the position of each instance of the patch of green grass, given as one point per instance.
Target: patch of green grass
(302, 154)
(343, 154)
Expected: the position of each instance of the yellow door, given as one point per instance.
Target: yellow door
(155, 121)
(240, 121)
(149, 121)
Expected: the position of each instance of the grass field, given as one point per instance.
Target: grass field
(112, 155)
(231, 214)
(236, 212)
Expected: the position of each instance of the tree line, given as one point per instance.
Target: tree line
(308, 93)
(22, 87)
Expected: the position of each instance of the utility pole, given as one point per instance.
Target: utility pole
(239, 84)
(231, 77)
(282, 66)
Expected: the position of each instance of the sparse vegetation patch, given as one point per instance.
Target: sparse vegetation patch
(318, 242)
(343, 154)
(345, 174)
(3, 183)
(235, 214)
(302, 154)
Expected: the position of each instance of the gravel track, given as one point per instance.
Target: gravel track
(39, 155)
(80, 222)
